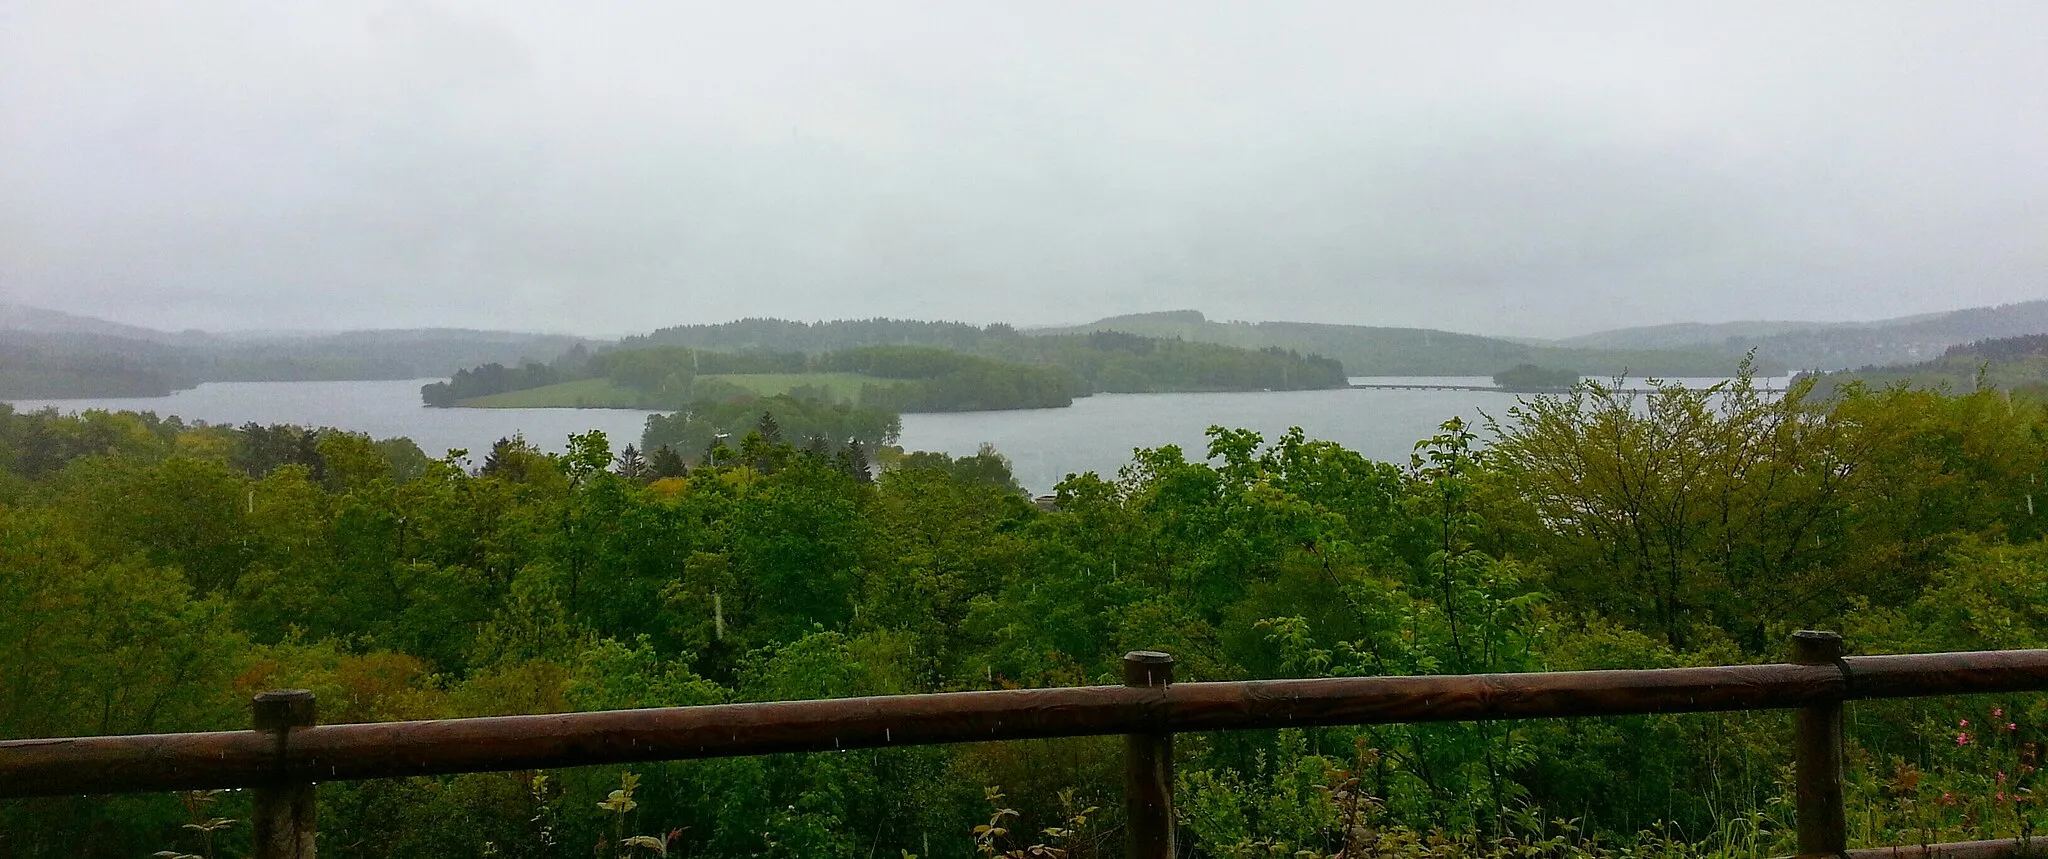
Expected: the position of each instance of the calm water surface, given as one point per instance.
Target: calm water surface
(1095, 434)
(382, 409)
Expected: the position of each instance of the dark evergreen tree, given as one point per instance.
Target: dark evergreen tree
(665, 463)
(852, 461)
(631, 465)
(512, 459)
(262, 449)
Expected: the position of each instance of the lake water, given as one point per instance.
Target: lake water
(1097, 433)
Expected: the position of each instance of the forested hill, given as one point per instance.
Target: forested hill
(1839, 345)
(45, 354)
(1373, 351)
(897, 365)
(2016, 364)
(23, 318)
(30, 370)
(783, 335)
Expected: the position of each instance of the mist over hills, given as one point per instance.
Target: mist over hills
(49, 354)
(1689, 335)
(1835, 345)
(22, 319)
(1363, 350)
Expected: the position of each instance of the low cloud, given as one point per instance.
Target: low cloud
(530, 166)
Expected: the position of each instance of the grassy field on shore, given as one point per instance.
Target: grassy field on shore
(843, 386)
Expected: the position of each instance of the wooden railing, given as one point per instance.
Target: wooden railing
(287, 753)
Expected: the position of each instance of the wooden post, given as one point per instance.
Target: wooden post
(284, 809)
(1817, 755)
(1148, 765)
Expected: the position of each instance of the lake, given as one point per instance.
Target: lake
(1097, 433)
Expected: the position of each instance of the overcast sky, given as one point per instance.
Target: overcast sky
(605, 168)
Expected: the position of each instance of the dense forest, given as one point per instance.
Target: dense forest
(30, 372)
(153, 575)
(802, 418)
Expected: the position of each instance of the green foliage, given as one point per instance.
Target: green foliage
(1694, 512)
(154, 575)
(986, 466)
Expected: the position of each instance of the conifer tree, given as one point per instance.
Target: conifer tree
(666, 463)
(630, 464)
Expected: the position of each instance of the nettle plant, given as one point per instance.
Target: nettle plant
(203, 824)
(1068, 839)
(620, 805)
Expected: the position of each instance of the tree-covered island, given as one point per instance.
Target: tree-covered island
(1531, 379)
(894, 365)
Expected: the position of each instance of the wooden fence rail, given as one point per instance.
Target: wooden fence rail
(287, 754)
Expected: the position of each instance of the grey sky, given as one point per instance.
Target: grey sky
(1527, 168)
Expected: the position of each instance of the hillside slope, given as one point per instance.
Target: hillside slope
(1837, 345)
(2018, 364)
(51, 355)
(1377, 351)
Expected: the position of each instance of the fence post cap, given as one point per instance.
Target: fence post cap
(279, 709)
(1148, 668)
(1811, 646)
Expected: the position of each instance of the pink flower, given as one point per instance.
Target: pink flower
(2011, 726)
(1998, 711)
(2001, 796)
(1963, 739)
(1962, 723)
(2001, 776)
